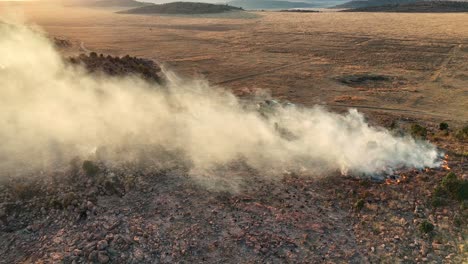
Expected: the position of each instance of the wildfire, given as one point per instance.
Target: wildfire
(395, 181)
(445, 163)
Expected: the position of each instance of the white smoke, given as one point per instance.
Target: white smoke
(51, 111)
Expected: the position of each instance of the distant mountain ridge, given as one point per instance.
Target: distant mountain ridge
(370, 3)
(265, 4)
(107, 3)
(187, 8)
(417, 7)
(269, 4)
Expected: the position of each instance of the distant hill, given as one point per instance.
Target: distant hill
(418, 7)
(316, 3)
(106, 3)
(369, 3)
(269, 4)
(188, 8)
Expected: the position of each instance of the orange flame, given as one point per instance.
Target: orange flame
(402, 179)
(445, 163)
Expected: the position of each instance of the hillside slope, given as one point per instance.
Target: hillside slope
(369, 3)
(182, 8)
(107, 3)
(269, 4)
(418, 7)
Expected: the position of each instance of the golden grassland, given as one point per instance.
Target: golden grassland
(299, 57)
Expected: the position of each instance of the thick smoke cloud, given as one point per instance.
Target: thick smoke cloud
(51, 111)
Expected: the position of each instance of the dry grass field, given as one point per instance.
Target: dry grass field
(298, 57)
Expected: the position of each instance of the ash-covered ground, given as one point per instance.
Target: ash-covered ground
(154, 211)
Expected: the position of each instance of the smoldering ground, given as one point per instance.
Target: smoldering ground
(51, 111)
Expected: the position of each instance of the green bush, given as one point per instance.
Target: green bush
(451, 187)
(443, 126)
(462, 193)
(426, 227)
(90, 168)
(438, 201)
(418, 131)
(449, 182)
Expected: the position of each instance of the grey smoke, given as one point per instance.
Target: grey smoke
(51, 111)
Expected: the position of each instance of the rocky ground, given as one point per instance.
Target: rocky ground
(93, 211)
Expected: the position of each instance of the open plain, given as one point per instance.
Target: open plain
(298, 57)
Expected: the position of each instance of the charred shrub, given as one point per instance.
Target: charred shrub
(90, 168)
(418, 132)
(426, 227)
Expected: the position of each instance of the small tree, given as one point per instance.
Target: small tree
(443, 126)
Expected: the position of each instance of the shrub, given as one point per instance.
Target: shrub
(438, 201)
(451, 187)
(359, 204)
(439, 191)
(426, 227)
(462, 134)
(418, 131)
(443, 126)
(23, 190)
(90, 168)
(462, 193)
(449, 182)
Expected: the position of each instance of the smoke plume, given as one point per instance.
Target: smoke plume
(51, 111)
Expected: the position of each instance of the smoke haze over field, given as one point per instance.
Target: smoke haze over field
(51, 111)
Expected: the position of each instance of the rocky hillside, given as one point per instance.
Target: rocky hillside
(92, 211)
(187, 8)
(269, 4)
(369, 3)
(417, 7)
(119, 66)
(106, 3)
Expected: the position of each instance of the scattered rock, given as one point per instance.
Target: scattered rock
(103, 257)
(102, 245)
